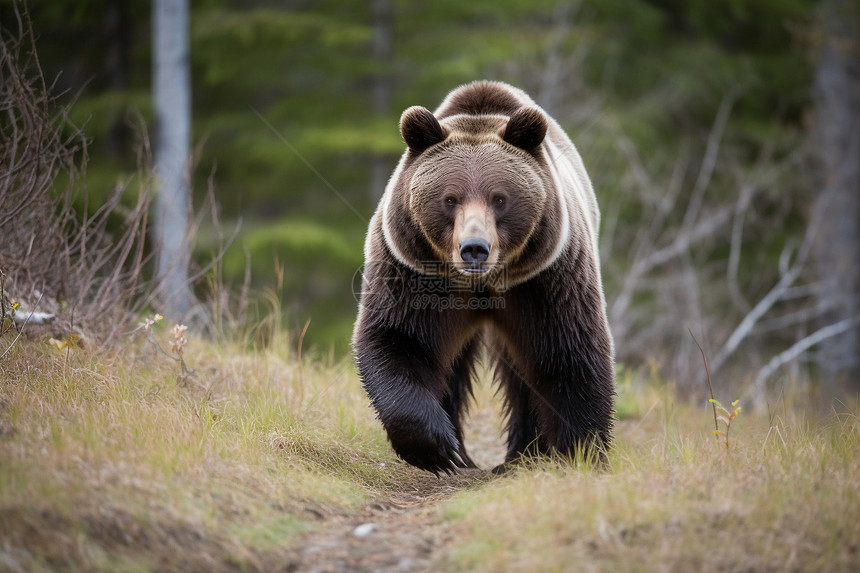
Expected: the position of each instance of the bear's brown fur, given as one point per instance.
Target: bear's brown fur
(485, 238)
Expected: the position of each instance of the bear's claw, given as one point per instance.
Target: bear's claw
(442, 459)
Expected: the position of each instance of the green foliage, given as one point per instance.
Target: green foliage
(301, 242)
(314, 262)
(725, 416)
(659, 67)
(234, 46)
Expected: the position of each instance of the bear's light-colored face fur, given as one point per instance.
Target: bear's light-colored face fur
(465, 190)
(473, 185)
(488, 167)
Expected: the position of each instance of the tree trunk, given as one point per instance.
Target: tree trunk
(380, 166)
(116, 31)
(172, 94)
(837, 246)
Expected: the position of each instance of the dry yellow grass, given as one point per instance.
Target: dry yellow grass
(111, 461)
(786, 497)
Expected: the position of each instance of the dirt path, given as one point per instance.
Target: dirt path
(397, 533)
(401, 529)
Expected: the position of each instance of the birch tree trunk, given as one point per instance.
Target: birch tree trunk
(172, 95)
(837, 246)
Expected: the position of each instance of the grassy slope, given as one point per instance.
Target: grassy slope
(109, 462)
(786, 497)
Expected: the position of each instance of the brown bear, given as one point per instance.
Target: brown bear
(486, 240)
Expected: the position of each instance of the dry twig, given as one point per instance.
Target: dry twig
(47, 247)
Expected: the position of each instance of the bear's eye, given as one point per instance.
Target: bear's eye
(450, 201)
(498, 200)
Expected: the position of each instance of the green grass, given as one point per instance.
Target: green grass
(110, 461)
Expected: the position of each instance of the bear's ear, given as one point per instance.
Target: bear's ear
(526, 129)
(420, 129)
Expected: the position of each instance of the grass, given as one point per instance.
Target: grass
(785, 498)
(112, 461)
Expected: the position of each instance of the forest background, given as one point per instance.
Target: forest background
(703, 125)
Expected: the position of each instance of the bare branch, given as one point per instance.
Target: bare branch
(802, 316)
(787, 278)
(757, 389)
(712, 150)
(741, 208)
(48, 246)
(746, 325)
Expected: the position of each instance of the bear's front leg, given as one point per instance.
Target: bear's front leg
(406, 390)
(559, 335)
(575, 390)
(572, 395)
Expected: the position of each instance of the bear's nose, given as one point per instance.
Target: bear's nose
(474, 251)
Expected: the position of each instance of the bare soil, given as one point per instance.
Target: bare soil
(402, 529)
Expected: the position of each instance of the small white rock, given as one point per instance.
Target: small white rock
(26, 316)
(364, 529)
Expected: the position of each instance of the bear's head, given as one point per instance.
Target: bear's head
(477, 188)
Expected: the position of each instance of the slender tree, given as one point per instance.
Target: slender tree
(381, 91)
(172, 95)
(837, 246)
